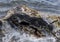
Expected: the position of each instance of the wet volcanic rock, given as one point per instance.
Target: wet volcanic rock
(35, 23)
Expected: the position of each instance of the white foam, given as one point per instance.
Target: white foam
(17, 36)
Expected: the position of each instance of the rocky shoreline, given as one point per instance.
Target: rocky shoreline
(32, 22)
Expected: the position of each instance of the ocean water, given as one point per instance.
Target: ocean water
(52, 6)
(41, 5)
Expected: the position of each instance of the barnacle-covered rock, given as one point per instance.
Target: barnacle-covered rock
(55, 20)
(29, 11)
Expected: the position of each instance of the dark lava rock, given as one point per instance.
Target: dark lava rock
(1, 33)
(19, 19)
(0, 24)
